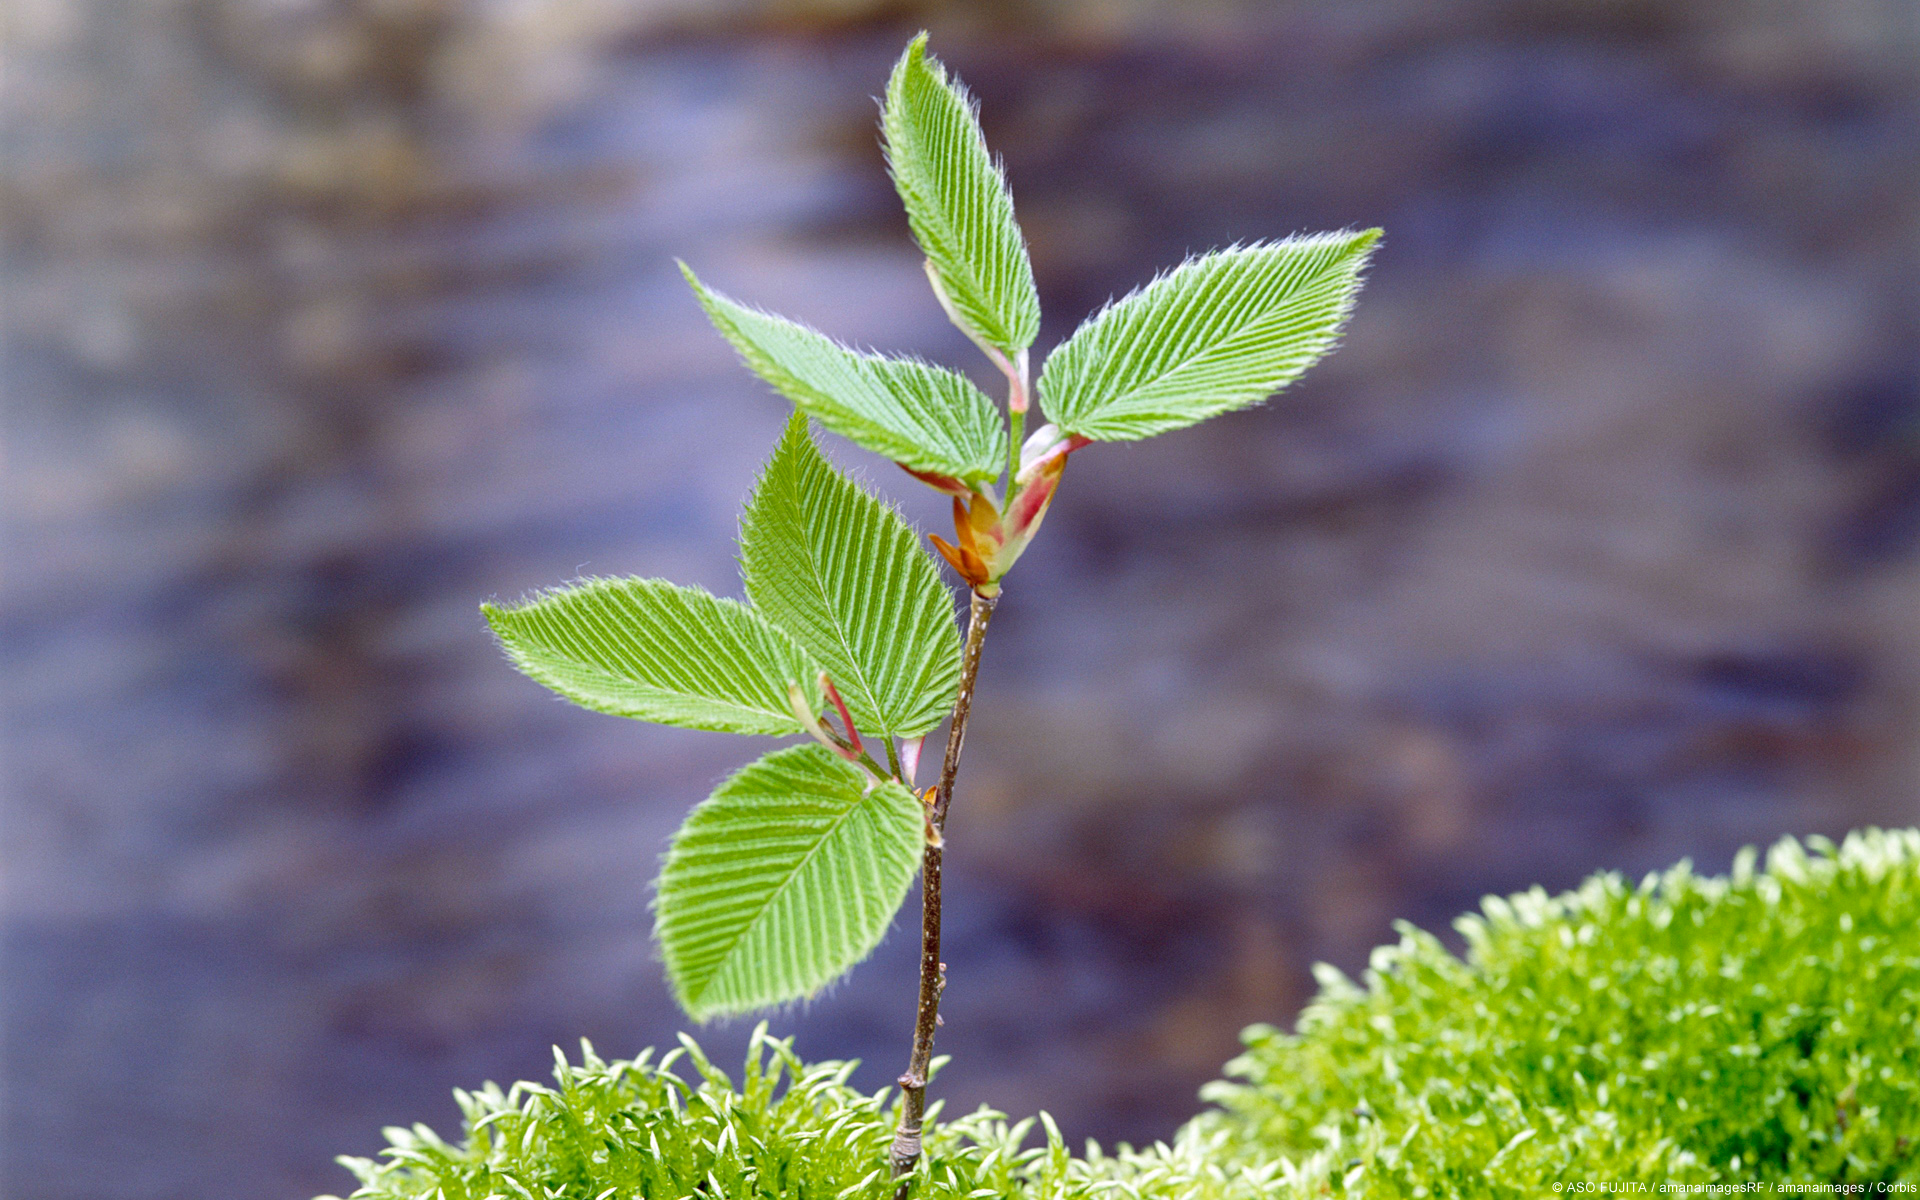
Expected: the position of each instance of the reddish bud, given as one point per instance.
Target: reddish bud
(1047, 445)
(1023, 519)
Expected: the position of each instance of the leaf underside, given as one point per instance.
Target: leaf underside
(957, 203)
(924, 416)
(842, 573)
(656, 651)
(1218, 333)
(783, 879)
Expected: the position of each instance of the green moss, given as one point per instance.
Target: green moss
(1763, 1027)
(1760, 1027)
(637, 1127)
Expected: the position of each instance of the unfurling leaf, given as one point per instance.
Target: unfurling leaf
(840, 571)
(783, 879)
(1218, 333)
(652, 650)
(958, 205)
(924, 417)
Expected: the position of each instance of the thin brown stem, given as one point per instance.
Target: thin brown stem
(933, 973)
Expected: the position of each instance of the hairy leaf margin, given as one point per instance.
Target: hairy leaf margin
(783, 880)
(657, 651)
(1219, 332)
(842, 572)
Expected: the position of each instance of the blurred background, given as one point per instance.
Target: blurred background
(1596, 546)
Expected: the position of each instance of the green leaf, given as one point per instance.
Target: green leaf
(957, 203)
(926, 417)
(842, 573)
(1218, 333)
(783, 879)
(649, 649)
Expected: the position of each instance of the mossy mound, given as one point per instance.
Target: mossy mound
(1761, 1028)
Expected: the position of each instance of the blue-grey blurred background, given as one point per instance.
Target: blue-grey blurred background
(1597, 545)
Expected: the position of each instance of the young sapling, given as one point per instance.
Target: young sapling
(792, 870)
